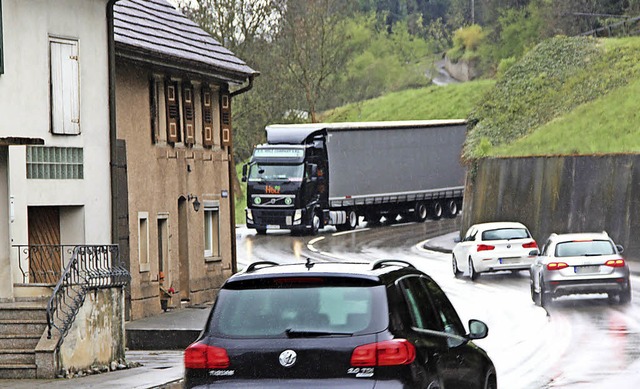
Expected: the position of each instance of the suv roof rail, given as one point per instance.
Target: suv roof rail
(254, 265)
(388, 262)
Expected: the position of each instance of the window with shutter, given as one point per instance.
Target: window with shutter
(189, 113)
(225, 118)
(65, 92)
(207, 117)
(173, 111)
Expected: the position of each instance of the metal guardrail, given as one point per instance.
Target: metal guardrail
(89, 268)
(628, 27)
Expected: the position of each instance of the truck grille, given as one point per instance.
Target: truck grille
(281, 201)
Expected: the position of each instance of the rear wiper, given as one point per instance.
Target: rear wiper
(291, 333)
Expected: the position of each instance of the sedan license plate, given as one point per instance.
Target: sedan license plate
(586, 269)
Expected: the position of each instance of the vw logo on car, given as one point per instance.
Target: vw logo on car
(288, 358)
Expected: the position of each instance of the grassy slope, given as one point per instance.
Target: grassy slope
(453, 101)
(567, 96)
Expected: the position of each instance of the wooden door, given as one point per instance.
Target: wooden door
(45, 262)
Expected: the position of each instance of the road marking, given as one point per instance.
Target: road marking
(313, 241)
(350, 232)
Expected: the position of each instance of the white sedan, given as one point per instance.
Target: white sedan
(490, 247)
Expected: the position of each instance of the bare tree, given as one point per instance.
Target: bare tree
(236, 24)
(313, 44)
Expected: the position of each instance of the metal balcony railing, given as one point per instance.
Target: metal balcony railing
(42, 263)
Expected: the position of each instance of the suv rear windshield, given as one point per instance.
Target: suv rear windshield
(280, 310)
(505, 233)
(581, 248)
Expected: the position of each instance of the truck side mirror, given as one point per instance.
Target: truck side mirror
(312, 171)
(244, 173)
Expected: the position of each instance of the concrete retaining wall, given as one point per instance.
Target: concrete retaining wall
(462, 70)
(559, 194)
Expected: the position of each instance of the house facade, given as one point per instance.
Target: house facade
(55, 189)
(174, 86)
(54, 132)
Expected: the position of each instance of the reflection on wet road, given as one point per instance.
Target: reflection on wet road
(580, 342)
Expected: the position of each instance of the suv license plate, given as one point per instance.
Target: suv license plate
(273, 227)
(586, 269)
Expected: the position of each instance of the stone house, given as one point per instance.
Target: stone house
(173, 199)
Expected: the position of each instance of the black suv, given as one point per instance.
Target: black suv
(341, 325)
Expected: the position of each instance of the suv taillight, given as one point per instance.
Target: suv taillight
(485, 247)
(615, 262)
(556, 265)
(530, 245)
(387, 353)
(203, 356)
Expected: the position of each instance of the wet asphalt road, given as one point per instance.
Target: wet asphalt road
(579, 342)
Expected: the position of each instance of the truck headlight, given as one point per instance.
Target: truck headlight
(249, 215)
(297, 216)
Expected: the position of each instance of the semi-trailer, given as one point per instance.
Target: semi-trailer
(307, 176)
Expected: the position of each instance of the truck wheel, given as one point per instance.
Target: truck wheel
(315, 224)
(451, 209)
(420, 212)
(435, 210)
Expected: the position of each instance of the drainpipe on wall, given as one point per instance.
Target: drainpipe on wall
(232, 195)
(113, 151)
(112, 116)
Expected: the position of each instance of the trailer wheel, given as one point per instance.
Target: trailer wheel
(352, 221)
(435, 210)
(420, 212)
(451, 209)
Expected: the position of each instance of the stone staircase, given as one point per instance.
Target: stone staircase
(22, 324)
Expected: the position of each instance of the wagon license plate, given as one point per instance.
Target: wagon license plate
(586, 269)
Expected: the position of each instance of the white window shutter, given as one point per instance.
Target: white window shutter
(65, 103)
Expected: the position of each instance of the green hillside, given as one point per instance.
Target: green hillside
(454, 101)
(573, 96)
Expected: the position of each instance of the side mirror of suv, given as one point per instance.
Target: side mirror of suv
(477, 329)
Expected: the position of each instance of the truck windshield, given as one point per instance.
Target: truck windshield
(263, 172)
